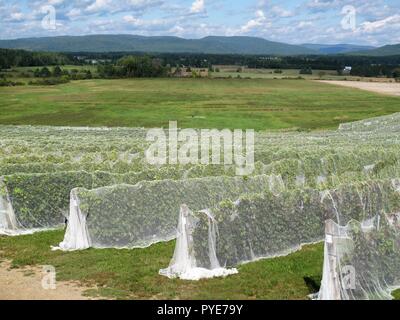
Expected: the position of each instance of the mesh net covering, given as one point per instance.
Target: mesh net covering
(145, 213)
(268, 224)
(362, 259)
(271, 224)
(41, 200)
(309, 177)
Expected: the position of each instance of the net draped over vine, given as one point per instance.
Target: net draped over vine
(362, 259)
(267, 225)
(142, 214)
(41, 165)
(98, 180)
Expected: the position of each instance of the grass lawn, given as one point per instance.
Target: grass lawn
(202, 103)
(133, 274)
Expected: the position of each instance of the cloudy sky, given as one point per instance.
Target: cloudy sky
(373, 22)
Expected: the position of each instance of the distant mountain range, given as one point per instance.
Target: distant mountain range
(336, 48)
(120, 43)
(167, 44)
(389, 50)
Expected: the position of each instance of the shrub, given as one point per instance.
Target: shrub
(50, 82)
(306, 70)
(8, 83)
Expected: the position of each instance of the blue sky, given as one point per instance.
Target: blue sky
(370, 22)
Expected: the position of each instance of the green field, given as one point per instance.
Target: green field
(202, 103)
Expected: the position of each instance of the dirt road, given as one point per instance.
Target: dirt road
(26, 284)
(390, 88)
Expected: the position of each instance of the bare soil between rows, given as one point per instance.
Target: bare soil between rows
(26, 284)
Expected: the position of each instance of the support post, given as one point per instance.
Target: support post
(330, 287)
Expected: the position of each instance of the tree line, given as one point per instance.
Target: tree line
(364, 66)
(133, 67)
(123, 64)
(20, 58)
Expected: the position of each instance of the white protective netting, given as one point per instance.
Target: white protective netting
(183, 262)
(362, 259)
(76, 235)
(8, 224)
(39, 201)
(121, 201)
(41, 165)
(127, 216)
(268, 225)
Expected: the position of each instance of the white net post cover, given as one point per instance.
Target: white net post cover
(183, 264)
(8, 222)
(362, 259)
(76, 235)
(330, 284)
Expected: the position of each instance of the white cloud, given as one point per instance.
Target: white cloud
(177, 30)
(322, 4)
(281, 12)
(252, 24)
(146, 25)
(198, 6)
(140, 5)
(55, 2)
(98, 5)
(381, 25)
(305, 24)
(110, 7)
(74, 13)
(371, 8)
(131, 19)
(16, 16)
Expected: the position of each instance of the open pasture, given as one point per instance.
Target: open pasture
(259, 104)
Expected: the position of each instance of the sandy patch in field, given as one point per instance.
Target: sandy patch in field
(26, 284)
(378, 87)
